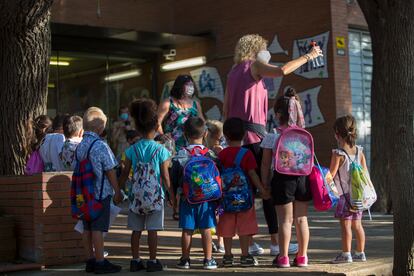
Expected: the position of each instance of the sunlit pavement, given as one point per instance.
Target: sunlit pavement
(324, 246)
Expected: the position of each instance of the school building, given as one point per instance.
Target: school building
(106, 53)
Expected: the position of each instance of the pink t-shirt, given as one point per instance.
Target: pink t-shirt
(247, 98)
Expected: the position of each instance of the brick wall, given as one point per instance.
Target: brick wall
(40, 205)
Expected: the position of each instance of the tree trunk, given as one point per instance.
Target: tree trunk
(391, 24)
(24, 72)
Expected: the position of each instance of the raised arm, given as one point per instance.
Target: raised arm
(260, 69)
(162, 111)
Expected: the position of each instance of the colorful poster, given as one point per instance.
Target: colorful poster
(166, 90)
(310, 107)
(275, 47)
(208, 83)
(273, 84)
(214, 113)
(312, 70)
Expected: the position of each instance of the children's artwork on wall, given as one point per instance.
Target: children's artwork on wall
(275, 47)
(273, 84)
(166, 90)
(311, 111)
(312, 69)
(208, 83)
(214, 113)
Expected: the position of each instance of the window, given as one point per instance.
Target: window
(360, 64)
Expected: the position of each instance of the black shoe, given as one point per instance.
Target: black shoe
(136, 266)
(248, 261)
(228, 260)
(106, 267)
(183, 263)
(90, 265)
(153, 267)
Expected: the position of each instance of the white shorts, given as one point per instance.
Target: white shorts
(151, 222)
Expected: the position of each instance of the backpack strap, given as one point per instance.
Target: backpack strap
(89, 150)
(239, 157)
(197, 150)
(153, 155)
(349, 157)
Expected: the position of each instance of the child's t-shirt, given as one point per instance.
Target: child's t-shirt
(143, 151)
(50, 150)
(269, 142)
(228, 155)
(67, 156)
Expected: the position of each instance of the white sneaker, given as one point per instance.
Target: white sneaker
(275, 250)
(256, 250)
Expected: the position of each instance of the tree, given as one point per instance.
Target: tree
(24, 62)
(391, 24)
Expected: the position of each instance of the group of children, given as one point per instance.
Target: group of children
(81, 139)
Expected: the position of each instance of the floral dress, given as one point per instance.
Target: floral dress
(174, 122)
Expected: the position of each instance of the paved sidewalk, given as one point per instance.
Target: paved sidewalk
(324, 245)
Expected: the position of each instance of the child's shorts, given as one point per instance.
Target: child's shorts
(288, 188)
(193, 216)
(242, 224)
(102, 222)
(343, 211)
(151, 222)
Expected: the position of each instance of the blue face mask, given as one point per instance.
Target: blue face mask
(124, 116)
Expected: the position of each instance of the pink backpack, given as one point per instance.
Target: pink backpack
(324, 194)
(34, 164)
(294, 151)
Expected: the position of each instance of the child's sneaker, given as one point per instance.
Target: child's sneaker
(220, 249)
(154, 266)
(214, 247)
(359, 257)
(210, 264)
(256, 250)
(183, 263)
(228, 260)
(281, 261)
(90, 266)
(300, 261)
(248, 261)
(342, 258)
(106, 267)
(136, 265)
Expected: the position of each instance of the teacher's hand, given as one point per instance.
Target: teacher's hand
(315, 52)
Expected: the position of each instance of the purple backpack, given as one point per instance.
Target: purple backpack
(34, 164)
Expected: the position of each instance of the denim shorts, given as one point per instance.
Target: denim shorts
(197, 216)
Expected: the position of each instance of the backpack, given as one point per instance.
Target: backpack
(83, 203)
(324, 193)
(294, 152)
(237, 195)
(362, 193)
(146, 194)
(202, 180)
(34, 163)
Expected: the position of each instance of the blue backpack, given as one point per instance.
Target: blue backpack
(237, 195)
(83, 203)
(202, 181)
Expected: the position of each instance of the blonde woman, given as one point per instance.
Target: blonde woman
(246, 98)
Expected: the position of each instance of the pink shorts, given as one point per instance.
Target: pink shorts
(343, 212)
(242, 224)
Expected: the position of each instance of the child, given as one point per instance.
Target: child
(242, 223)
(215, 138)
(72, 128)
(51, 146)
(147, 151)
(103, 162)
(290, 194)
(345, 134)
(195, 216)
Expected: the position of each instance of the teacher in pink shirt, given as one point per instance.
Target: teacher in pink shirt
(247, 98)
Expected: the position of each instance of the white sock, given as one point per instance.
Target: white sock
(358, 253)
(346, 253)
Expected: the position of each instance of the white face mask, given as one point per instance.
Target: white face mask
(189, 89)
(264, 56)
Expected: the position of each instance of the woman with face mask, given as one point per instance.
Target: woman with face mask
(174, 111)
(247, 98)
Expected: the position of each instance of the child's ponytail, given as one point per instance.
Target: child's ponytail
(289, 109)
(345, 127)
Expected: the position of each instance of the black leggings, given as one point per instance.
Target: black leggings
(268, 206)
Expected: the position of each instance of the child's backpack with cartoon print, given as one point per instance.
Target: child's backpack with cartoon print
(237, 195)
(294, 151)
(202, 181)
(145, 194)
(83, 203)
(362, 192)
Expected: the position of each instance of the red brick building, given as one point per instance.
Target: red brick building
(94, 39)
